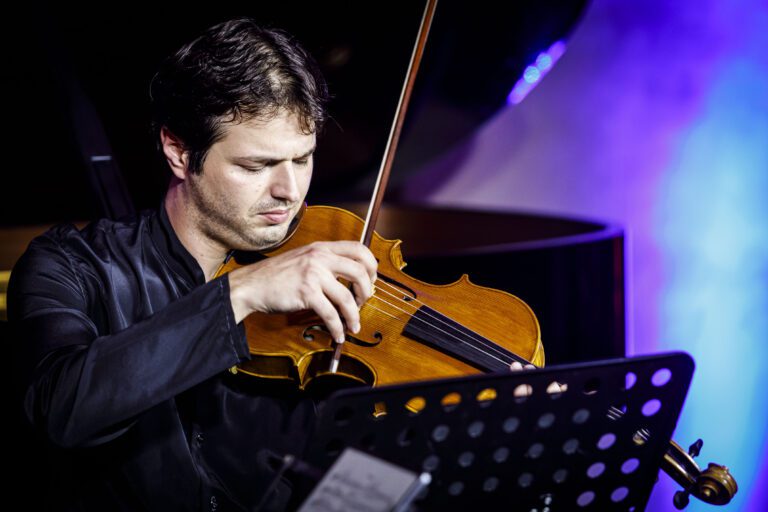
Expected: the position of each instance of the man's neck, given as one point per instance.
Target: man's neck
(208, 254)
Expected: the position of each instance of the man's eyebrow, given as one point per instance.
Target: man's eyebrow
(266, 159)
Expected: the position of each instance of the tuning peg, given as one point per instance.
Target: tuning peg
(695, 448)
(681, 499)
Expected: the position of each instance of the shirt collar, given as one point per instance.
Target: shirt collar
(176, 255)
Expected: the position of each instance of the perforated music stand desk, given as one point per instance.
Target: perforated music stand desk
(596, 446)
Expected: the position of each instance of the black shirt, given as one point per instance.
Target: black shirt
(123, 351)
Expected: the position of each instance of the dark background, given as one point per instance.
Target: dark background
(109, 53)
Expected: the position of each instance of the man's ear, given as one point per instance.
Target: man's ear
(175, 153)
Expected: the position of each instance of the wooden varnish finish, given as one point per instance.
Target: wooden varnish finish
(280, 347)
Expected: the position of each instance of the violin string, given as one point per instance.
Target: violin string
(477, 338)
(422, 320)
(499, 356)
(382, 311)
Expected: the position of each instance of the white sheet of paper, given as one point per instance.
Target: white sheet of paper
(358, 482)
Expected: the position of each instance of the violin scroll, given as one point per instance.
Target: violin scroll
(714, 485)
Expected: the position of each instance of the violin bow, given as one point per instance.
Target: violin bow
(394, 136)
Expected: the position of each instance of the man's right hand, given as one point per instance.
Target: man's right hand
(307, 278)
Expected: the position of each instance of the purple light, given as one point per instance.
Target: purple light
(556, 50)
(535, 72)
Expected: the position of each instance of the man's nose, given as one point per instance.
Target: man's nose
(284, 184)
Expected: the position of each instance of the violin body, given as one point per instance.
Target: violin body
(410, 330)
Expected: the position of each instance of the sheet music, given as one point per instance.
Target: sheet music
(361, 483)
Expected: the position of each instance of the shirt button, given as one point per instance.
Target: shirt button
(200, 438)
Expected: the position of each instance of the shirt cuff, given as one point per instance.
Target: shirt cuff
(237, 334)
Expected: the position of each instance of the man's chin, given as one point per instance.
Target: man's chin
(267, 238)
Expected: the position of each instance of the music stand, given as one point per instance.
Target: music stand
(596, 446)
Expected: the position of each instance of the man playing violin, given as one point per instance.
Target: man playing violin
(124, 335)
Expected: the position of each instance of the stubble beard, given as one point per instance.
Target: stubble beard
(220, 221)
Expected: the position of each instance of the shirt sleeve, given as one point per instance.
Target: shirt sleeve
(83, 389)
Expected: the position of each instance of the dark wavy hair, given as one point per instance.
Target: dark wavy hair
(234, 72)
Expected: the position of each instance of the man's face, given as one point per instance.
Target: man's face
(253, 183)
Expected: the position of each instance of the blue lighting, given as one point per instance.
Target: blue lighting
(535, 72)
(531, 74)
(544, 61)
(712, 230)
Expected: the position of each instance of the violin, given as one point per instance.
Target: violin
(412, 330)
